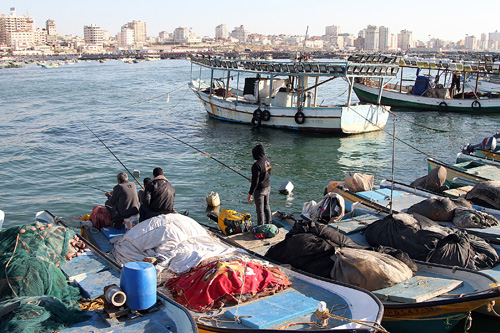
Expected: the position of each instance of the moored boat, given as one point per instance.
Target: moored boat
(361, 311)
(287, 95)
(425, 308)
(472, 171)
(426, 93)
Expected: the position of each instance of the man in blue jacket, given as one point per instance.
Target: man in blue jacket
(261, 185)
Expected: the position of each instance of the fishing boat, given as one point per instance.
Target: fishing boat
(485, 84)
(51, 65)
(45, 302)
(286, 94)
(427, 93)
(291, 309)
(487, 151)
(466, 173)
(412, 305)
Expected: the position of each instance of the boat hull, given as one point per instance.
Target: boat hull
(396, 99)
(338, 119)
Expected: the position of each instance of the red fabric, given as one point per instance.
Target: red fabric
(209, 286)
(100, 217)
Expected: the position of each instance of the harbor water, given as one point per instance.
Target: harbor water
(50, 160)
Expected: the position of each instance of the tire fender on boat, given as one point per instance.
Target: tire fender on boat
(476, 104)
(300, 118)
(443, 106)
(256, 120)
(257, 113)
(266, 115)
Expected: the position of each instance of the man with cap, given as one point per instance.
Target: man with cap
(158, 196)
(261, 185)
(122, 202)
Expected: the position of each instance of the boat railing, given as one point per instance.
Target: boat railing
(378, 66)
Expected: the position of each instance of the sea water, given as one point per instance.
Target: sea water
(49, 160)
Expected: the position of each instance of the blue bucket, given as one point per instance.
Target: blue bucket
(138, 282)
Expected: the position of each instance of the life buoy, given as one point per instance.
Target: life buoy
(266, 115)
(443, 106)
(257, 113)
(255, 121)
(476, 104)
(300, 117)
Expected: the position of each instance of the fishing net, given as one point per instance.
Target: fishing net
(31, 255)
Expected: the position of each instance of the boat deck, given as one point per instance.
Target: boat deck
(294, 305)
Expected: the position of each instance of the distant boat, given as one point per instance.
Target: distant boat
(490, 84)
(284, 94)
(468, 171)
(14, 65)
(51, 65)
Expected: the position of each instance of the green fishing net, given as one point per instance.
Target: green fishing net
(30, 256)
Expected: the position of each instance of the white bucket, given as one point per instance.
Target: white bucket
(213, 199)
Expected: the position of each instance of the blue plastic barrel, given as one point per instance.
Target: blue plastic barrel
(138, 282)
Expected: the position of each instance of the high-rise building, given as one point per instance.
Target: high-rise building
(126, 38)
(332, 30)
(139, 30)
(384, 40)
(240, 33)
(221, 32)
(471, 43)
(405, 40)
(93, 35)
(17, 30)
(372, 35)
(50, 27)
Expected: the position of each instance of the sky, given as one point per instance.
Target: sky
(447, 20)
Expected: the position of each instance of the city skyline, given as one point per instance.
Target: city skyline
(445, 20)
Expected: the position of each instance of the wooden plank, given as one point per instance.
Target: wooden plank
(354, 224)
(85, 264)
(417, 289)
(458, 192)
(248, 240)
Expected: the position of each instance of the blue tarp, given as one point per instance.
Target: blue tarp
(421, 84)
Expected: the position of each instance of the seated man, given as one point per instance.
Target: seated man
(122, 202)
(158, 196)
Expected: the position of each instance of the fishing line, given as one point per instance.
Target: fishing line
(396, 138)
(74, 181)
(160, 96)
(414, 123)
(116, 157)
(216, 160)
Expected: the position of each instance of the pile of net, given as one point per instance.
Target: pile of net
(324, 251)
(31, 255)
(425, 240)
(211, 286)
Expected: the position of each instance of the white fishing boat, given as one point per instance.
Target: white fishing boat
(179, 241)
(487, 84)
(290, 95)
(429, 93)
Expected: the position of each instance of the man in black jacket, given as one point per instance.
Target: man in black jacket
(122, 202)
(158, 196)
(261, 186)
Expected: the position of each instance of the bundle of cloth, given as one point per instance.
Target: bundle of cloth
(425, 240)
(321, 250)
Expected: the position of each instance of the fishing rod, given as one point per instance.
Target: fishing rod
(74, 181)
(115, 157)
(216, 160)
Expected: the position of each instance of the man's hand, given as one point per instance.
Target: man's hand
(249, 198)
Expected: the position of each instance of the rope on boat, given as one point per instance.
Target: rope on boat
(8, 262)
(414, 123)
(396, 138)
(457, 316)
(491, 308)
(91, 304)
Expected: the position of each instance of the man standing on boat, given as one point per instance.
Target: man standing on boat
(261, 185)
(158, 196)
(123, 201)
